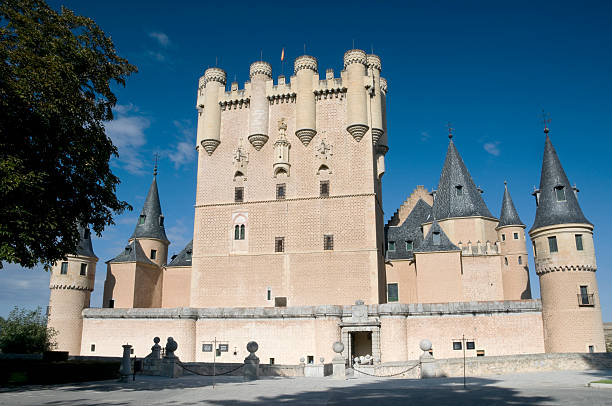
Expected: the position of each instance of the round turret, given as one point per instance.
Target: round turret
(306, 71)
(375, 66)
(215, 75)
(260, 68)
(209, 119)
(305, 62)
(260, 72)
(374, 62)
(355, 61)
(355, 56)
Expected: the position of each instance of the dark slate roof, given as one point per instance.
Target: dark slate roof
(550, 211)
(85, 248)
(428, 243)
(152, 210)
(183, 258)
(409, 230)
(447, 203)
(132, 252)
(509, 215)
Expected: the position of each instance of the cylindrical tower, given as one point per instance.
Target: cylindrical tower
(209, 121)
(374, 68)
(305, 110)
(383, 144)
(565, 263)
(355, 62)
(71, 284)
(513, 249)
(260, 72)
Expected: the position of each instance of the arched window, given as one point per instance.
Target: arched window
(236, 232)
(242, 229)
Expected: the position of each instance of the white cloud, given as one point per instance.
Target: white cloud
(161, 38)
(424, 136)
(184, 151)
(127, 131)
(158, 56)
(492, 148)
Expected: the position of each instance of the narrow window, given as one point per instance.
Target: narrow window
(520, 260)
(64, 269)
(516, 237)
(328, 242)
(409, 246)
(271, 361)
(579, 245)
(111, 303)
(552, 244)
(280, 191)
(503, 237)
(391, 245)
(269, 294)
(310, 359)
(153, 254)
(87, 234)
(131, 351)
(93, 348)
(242, 231)
(560, 192)
(459, 190)
(436, 238)
(48, 311)
(236, 232)
(324, 188)
(238, 194)
(83, 270)
(584, 295)
(457, 345)
(161, 220)
(506, 261)
(470, 345)
(141, 219)
(279, 245)
(591, 348)
(392, 292)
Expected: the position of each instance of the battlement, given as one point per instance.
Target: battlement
(479, 248)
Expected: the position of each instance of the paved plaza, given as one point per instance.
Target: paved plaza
(547, 388)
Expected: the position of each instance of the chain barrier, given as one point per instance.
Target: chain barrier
(387, 376)
(198, 373)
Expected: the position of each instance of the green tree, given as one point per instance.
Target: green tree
(26, 332)
(56, 72)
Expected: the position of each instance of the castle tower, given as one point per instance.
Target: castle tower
(260, 73)
(355, 62)
(305, 117)
(211, 88)
(134, 277)
(565, 263)
(513, 248)
(71, 284)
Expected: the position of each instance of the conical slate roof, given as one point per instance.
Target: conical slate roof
(85, 249)
(132, 252)
(457, 195)
(183, 258)
(409, 230)
(153, 225)
(429, 245)
(508, 216)
(552, 210)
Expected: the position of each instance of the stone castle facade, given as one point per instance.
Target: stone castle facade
(290, 247)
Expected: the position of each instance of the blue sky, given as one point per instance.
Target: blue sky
(488, 67)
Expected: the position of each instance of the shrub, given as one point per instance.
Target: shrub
(25, 331)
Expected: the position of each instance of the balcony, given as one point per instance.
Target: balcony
(586, 299)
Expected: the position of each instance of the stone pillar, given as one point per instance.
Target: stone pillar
(339, 363)
(428, 363)
(251, 363)
(376, 344)
(171, 363)
(126, 364)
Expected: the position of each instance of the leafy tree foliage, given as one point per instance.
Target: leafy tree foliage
(25, 332)
(56, 71)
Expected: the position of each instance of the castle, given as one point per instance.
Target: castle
(290, 247)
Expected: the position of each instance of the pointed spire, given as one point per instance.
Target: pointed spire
(557, 201)
(509, 215)
(436, 240)
(151, 221)
(457, 195)
(85, 248)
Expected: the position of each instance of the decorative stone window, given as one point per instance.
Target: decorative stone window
(520, 260)
(391, 245)
(560, 193)
(515, 236)
(409, 245)
(64, 269)
(552, 244)
(239, 232)
(579, 245)
(457, 345)
(328, 242)
(83, 270)
(392, 292)
(280, 191)
(153, 254)
(239, 194)
(459, 190)
(141, 219)
(436, 238)
(324, 188)
(279, 245)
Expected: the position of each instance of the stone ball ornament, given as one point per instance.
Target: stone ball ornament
(171, 345)
(425, 344)
(338, 347)
(156, 340)
(252, 347)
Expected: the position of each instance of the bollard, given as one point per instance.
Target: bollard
(170, 362)
(126, 364)
(339, 363)
(428, 363)
(251, 363)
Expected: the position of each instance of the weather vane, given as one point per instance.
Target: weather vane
(545, 121)
(155, 167)
(450, 130)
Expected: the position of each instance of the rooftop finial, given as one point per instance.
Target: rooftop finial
(506, 183)
(450, 130)
(155, 167)
(545, 121)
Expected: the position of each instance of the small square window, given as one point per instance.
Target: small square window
(280, 191)
(141, 219)
(392, 292)
(324, 189)
(111, 303)
(328, 242)
(92, 348)
(503, 237)
(436, 238)
(64, 269)
(271, 361)
(459, 190)
(279, 244)
(591, 348)
(409, 246)
(457, 345)
(579, 245)
(470, 345)
(310, 359)
(153, 254)
(516, 236)
(552, 244)
(238, 194)
(391, 245)
(560, 192)
(506, 261)
(207, 347)
(480, 353)
(83, 270)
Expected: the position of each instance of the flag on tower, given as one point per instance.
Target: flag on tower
(283, 55)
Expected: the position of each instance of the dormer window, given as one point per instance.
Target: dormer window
(409, 245)
(391, 245)
(560, 193)
(436, 238)
(459, 190)
(161, 220)
(188, 254)
(141, 219)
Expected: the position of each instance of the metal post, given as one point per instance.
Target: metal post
(463, 346)
(214, 361)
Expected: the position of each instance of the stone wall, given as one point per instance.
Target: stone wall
(608, 334)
